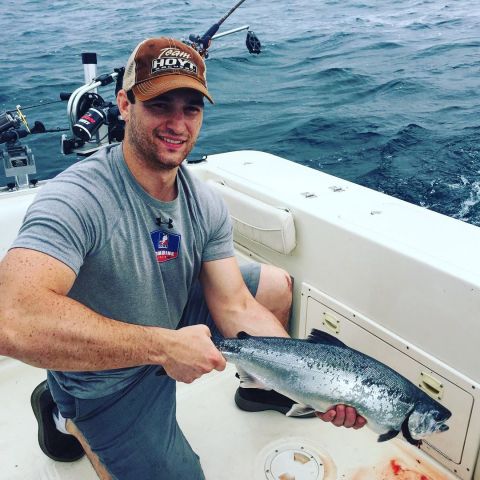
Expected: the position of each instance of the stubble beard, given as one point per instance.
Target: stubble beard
(145, 149)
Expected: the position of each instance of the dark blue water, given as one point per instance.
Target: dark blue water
(385, 94)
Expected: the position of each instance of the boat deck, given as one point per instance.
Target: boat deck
(232, 444)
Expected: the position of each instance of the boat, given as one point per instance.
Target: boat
(393, 280)
(378, 272)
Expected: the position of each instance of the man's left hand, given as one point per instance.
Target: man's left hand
(343, 416)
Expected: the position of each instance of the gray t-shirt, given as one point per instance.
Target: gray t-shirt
(98, 220)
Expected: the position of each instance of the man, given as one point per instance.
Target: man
(130, 265)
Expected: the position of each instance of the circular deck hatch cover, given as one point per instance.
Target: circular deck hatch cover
(290, 460)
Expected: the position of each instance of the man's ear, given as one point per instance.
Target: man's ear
(123, 104)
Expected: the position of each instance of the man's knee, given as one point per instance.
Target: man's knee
(275, 291)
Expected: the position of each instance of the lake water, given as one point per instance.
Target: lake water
(385, 94)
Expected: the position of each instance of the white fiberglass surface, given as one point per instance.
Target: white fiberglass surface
(232, 444)
(20, 455)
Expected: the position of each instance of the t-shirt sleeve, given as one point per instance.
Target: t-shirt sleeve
(220, 240)
(61, 222)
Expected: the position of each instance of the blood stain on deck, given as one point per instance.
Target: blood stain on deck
(394, 469)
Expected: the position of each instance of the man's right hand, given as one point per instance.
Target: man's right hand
(190, 353)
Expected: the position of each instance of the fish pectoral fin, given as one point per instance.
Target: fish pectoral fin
(299, 410)
(388, 436)
(249, 381)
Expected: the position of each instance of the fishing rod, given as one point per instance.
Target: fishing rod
(93, 121)
(41, 104)
(201, 43)
(80, 101)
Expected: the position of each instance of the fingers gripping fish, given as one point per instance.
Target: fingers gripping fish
(322, 371)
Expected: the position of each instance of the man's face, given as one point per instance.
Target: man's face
(163, 131)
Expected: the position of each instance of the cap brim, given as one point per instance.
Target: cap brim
(162, 84)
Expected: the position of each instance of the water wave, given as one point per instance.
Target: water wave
(381, 93)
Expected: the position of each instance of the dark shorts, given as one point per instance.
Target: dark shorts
(134, 431)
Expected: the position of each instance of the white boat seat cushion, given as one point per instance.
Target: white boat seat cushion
(256, 221)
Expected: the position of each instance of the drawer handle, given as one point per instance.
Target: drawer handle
(331, 323)
(431, 385)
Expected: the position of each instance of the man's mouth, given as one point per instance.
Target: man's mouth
(172, 142)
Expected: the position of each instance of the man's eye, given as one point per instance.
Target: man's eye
(193, 109)
(159, 106)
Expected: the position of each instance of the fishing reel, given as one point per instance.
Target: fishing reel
(18, 159)
(14, 125)
(93, 121)
(93, 113)
(201, 43)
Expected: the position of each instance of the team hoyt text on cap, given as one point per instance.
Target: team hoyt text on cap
(158, 65)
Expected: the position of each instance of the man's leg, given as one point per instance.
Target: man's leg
(272, 287)
(274, 292)
(58, 445)
(132, 433)
(94, 460)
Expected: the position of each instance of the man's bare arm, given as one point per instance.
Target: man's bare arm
(231, 304)
(41, 326)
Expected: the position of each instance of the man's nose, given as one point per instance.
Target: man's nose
(176, 120)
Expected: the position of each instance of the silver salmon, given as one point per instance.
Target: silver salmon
(321, 371)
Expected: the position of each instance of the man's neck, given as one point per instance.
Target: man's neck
(159, 183)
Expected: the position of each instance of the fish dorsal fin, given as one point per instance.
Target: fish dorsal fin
(243, 335)
(317, 336)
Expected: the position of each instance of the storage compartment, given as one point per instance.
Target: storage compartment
(457, 448)
(258, 222)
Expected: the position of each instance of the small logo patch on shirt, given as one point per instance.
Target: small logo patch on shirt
(166, 245)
